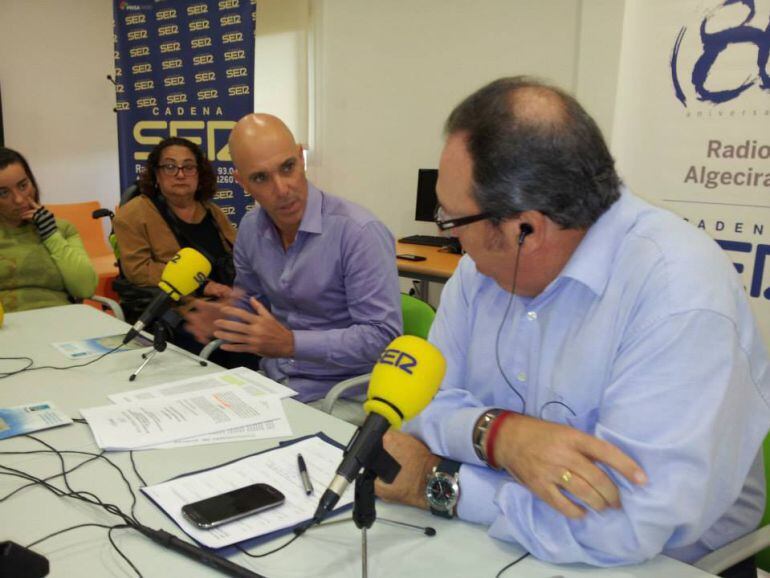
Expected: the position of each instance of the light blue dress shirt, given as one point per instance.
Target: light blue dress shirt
(336, 288)
(644, 340)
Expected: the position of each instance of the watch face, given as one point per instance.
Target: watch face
(442, 491)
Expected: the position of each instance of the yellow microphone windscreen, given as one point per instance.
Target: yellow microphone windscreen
(186, 271)
(405, 379)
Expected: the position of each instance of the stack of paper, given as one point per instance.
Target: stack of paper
(277, 467)
(231, 405)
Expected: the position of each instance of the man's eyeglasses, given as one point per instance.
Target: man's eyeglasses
(172, 170)
(444, 222)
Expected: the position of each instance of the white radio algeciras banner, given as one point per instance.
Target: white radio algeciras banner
(692, 123)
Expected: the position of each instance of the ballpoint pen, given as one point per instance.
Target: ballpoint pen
(307, 484)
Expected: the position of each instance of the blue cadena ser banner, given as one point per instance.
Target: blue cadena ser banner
(184, 68)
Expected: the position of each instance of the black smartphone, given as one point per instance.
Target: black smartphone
(410, 257)
(230, 506)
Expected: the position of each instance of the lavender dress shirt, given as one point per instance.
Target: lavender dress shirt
(336, 287)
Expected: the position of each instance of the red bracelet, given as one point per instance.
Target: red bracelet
(492, 437)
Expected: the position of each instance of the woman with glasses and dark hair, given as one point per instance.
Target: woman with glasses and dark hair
(42, 259)
(175, 210)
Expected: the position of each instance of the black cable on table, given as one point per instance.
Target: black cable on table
(29, 360)
(516, 561)
(162, 537)
(32, 367)
(269, 552)
(136, 470)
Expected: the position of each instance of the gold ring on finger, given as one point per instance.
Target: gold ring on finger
(566, 476)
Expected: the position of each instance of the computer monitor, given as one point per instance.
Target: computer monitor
(426, 195)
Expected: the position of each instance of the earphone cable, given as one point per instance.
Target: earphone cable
(513, 327)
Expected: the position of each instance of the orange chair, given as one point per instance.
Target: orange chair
(92, 234)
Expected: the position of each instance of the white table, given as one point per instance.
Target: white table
(459, 549)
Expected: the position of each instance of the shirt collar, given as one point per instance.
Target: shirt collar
(312, 219)
(591, 263)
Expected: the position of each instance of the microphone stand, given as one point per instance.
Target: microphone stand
(364, 512)
(159, 344)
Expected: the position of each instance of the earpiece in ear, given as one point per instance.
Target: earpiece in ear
(524, 230)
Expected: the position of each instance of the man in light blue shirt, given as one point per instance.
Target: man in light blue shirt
(600, 351)
(318, 273)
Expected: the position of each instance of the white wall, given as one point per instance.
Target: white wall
(57, 102)
(600, 32)
(281, 65)
(389, 73)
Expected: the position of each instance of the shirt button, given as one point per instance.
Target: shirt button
(521, 376)
(532, 315)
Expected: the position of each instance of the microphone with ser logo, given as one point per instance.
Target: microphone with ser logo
(186, 271)
(404, 381)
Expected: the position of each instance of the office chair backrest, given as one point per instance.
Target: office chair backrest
(91, 232)
(418, 316)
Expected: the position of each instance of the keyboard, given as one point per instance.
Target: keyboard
(430, 240)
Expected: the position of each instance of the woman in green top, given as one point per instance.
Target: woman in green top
(42, 260)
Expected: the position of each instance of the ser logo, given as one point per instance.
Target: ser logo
(172, 64)
(198, 25)
(168, 14)
(208, 94)
(197, 9)
(168, 30)
(176, 98)
(137, 52)
(723, 48)
(210, 135)
(237, 54)
(170, 47)
(202, 59)
(231, 37)
(201, 42)
(135, 19)
(399, 359)
(238, 90)
(756, 289)
(139, 34)
(230, 20)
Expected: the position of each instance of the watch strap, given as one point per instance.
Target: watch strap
(450, 467)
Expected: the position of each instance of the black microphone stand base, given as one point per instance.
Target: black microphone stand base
(159, 344)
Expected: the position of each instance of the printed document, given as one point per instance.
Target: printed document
(276, 467)
(149, 423)
(251, 382)
(238, 376)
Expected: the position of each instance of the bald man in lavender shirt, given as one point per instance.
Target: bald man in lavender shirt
(318, 272)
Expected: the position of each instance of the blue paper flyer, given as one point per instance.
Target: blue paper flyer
(23, 419)
(100, 345)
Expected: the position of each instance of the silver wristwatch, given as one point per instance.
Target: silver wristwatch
(443, 488)
(480, 431)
